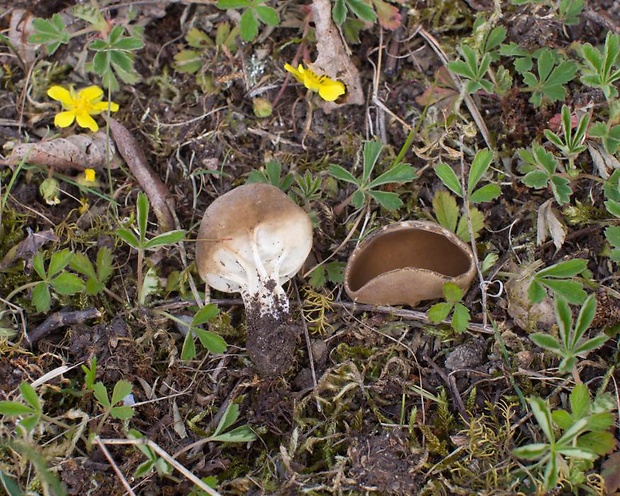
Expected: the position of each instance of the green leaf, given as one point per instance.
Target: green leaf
(188, 350)
(122, 389)
(205, 314)
(571, 290)
(580, 401)
(67, 284)
(14, 409)
(233, 4)
(59, 261)
(104, 263)
(52, 33)
(536, 179)
(531, 451)
(479, 167)
(401, 173)
(486, 193)
(446, 210)
(38, 265)
(449, 178)
(452, 293)
(460, 318)
(248, 25)
(561, 189)
(477, 224)
(211, 341)
(591, 344)
(142, 211)
(564, 319)
(612, 233)
(129, 237)
(600, 443)
(568, 268)
(168, 238)
(339, 12)
(439, 312)
(82, 264)
(546, 342)
(536, 292)
(241, 434)
(30, 396)
(230, 416)
(584, 319)
(268, 15)
(101, 394)
(388, 200)
(362, 10)
(121, 412)
(41, 297)
(543, 416)
(372, 150)
(10, 486)
(342, 174)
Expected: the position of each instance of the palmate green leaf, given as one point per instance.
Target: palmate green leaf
(564, 319)
(546, 341)
(600, 443)
(129, 43)
(449, 178)
(612, 233)
(339, 12)
(446, 210)
(479, 167)
(560, 186)
(41, 297)
(452, 293)
(362, 10)
(401, 173)
(188, 350)
(167, 238)
(590, 345)
(67, 284)
(562, 419)
(568, 268)
(39, 266)
(536, 292)
(122, 389)
(101, 394)
(601, 421)
(571, 290)
(50, 32)
(580, 401)
(358, 200)
(477, 224)
(104, 264)
(122, 412)
(248, 25)
(536, 179)
(387, 199)
(82, 264)
(541, 411)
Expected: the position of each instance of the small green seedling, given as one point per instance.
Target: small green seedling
(448, 214)
(541, 171)
(208, 339)
(479, 167)
(141, 243)
(30, 411)
(122, 389)
(559, 278)
(328, 272)
(153, 461)
(96, 276)
(55, 277)
(602, 68)
(90, 374)
(473, 68)
(241, 434)
(272, 174)
(254, 11)
(553, 74)
(584, 435)
(571, 144)
(570, 345)
(367, 187)
(460, 313)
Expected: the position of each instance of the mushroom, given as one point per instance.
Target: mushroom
(407, 262)
(251, 241)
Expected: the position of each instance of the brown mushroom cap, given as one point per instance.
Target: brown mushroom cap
(254, 234)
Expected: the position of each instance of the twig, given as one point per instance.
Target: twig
(114, 466)
(61, 319)
(451, 383)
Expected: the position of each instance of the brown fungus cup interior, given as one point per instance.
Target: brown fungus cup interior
(407, 262)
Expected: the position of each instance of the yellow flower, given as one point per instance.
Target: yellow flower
(80, 106)
(327, 88)
(87, 178)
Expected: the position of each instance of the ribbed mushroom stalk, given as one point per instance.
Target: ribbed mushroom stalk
(252, 240)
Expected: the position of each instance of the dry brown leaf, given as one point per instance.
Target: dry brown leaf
(333, 59)
(20, 28)
(27, 247)
(153, 186)
(611, 473)
(550, 225)
(77, 152)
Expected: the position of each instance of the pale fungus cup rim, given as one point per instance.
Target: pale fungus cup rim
(407, 262)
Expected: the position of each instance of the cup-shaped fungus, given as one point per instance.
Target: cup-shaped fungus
(407, 262)
(251, 241)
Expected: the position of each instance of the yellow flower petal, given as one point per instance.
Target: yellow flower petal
(85, 120)
(97, 108)
(62, 95)
(64, 119)
(91, 94)
(89, 175)
(330, 90)
(298, 73)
